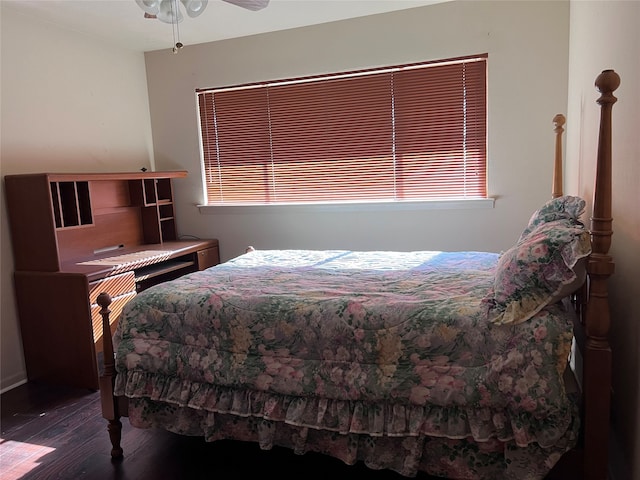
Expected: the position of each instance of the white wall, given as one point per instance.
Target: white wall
(69, 104)
(527, 43)
(605, 34)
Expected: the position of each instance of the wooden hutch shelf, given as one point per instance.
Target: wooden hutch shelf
(77, 235)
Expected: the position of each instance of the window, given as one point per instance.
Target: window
(410, 132)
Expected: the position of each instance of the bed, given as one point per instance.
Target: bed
(468, 365)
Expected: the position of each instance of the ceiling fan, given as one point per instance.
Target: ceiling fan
(168, 11)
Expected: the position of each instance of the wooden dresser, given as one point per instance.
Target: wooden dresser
(77, 235)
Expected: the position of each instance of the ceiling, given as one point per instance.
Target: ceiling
(122, 22)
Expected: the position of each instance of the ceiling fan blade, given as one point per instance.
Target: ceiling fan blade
(250, 4)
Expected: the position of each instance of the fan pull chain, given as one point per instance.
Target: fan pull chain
(177, 44)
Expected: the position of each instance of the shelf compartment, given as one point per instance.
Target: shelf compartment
(149, 187)
(71, 203)
(84, 203)
(164, 191)
(168, 230)
(165, 211)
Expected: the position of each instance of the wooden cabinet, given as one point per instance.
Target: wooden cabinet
(77, 235)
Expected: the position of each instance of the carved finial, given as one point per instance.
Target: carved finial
(558, 121)
(606, 83)
(104, 300)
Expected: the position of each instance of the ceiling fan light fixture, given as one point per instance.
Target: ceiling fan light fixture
(250, 4)
(151, 7)
(169, 12)
(194, 7)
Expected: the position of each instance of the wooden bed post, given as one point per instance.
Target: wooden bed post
(597, 381)
(110, 406)
(558, 121)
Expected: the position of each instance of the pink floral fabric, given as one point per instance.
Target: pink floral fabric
(383, 357)
(530, 275)
(566, 207)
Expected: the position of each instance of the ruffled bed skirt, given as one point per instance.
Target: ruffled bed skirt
(402, 440)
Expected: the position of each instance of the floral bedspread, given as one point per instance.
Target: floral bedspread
(385, 357)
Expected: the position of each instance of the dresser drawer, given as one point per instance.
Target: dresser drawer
(121, 288)
(114, 286)
(208, 258)
(117, 304)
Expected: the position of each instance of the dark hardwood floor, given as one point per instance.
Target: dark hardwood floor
(59, 433)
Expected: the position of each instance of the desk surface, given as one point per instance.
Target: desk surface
(130, 258)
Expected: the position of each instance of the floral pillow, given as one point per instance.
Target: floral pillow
(531, 275)
(565, 207)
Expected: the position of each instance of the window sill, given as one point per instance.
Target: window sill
(348, 207)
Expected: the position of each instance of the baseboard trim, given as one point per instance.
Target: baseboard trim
(13, 385)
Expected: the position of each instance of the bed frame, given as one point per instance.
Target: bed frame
(593, 376)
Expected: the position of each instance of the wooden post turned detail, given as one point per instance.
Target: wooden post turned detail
(110, 409)
(558, 121)
(601, 265)
(597, 381)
